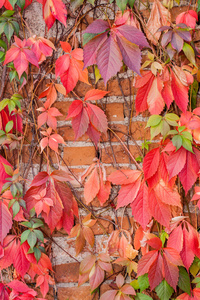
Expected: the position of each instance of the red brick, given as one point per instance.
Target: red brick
(121, 155)
(75, 293)
(67, 272)
(115, 111)
(79, 155)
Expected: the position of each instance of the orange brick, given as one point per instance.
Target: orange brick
(67, 272)
(121, 155)
(79, 156)
(63, 107)
(74, 293)
(115, 111)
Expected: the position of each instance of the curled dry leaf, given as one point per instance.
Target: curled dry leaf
(160, 16)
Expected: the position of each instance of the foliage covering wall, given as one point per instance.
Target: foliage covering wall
(100, 158)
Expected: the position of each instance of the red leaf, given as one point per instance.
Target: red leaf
(97, 278)
(189, 173)
(94, 94)
(146, 261)
(128, 193)
(187, 254)
(171, 272)
(155, 243)
(130, 52)
(160, 211)
(97, 117)
(80, 123)
(176, 239)
(155, 272)
(5, 221)
(142, 94)
(167, 195)
(151, 162)
(176, 162)
(155, 100)
(109, 59)
(91, 187)
(54, 10)
(140, 206)
(123, 177)
(180, 92)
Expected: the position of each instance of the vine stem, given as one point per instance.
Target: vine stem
(138, 166)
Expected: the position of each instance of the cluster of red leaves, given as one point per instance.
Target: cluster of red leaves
(21, 53)
(147, 201)
(160, 263)
(70, 67)
(96, 184)
(88, 118)
(156, 91)
(108, 46)
(53, 199)
(54, 10)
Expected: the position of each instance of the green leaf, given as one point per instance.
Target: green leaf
(32, 239)
(197, 281)
(11, 203)
(3, 103)
(155, 130)
(143, 282)
(15, 208)
(97, 74)
(2, 56)
(172, 119)
(187, 135)
(165, 128)
(2, 24)
(135, 284)
(122, 4)
(12, 75)
(26, 224)
(184, 280)
(8, 13)
(177, 141)
(8, 30)
(32, 212)
(24, 236)
(8, 169)
(37, 254)
(21, 3)
(9, 126)
(91, 1)
(163, 237)
(187, 144)
(3, 45)
(88, 36)
(39, 235)
(189, 53)
(164, 290)
(198, 7)
(16, 26)
(154, 120)
(76, 3)
(11, 106)
(195, 267)
(13, 190)
(140, 296)
(131, 3)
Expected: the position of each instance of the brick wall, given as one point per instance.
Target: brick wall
(78, 155)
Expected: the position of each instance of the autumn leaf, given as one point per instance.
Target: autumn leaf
(124, 42)
(51, 140)
(88, 118)
(159, 16)
(21, 55)
(54, 10)
(189, 18)
(70, 67)
(96, 184)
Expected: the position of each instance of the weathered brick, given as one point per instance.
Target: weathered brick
(121, 155)
(79, 155)
(67, 272)
(74, 293)
(115, 111)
